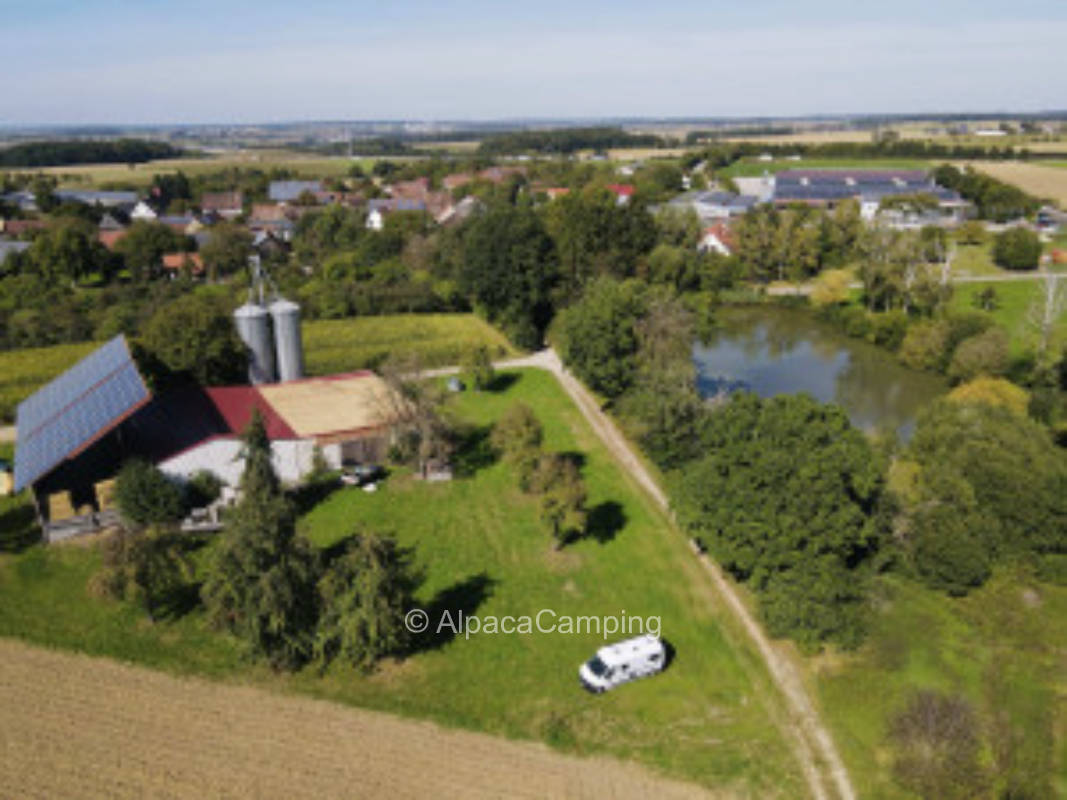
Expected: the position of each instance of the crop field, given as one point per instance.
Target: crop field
(1002, 648)
(751, 168)
(140, 175)
(479, 543)
(1041, 180)
(437, 339)
(329, 346)
(22, 372)
(76, 726)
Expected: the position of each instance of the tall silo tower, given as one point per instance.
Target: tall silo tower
(253, 328)
(290, 348)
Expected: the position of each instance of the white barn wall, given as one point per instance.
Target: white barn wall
(292, 458)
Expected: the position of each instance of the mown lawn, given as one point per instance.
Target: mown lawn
(1002, 648)
(1016, 302)
(482, 549)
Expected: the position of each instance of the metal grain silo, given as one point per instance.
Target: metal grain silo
(288, 344)
(253, 327)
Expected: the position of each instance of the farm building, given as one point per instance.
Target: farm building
(74, 434)
(828, 187)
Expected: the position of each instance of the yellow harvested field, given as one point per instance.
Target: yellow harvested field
(1037, 179)
(644, 153)
(75, 726)
(809, 137)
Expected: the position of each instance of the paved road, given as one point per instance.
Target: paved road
(813, 744)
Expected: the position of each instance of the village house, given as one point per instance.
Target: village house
(174, 263)
(291, 191)
(456, 180)
(143, 212)
(227, 205)
(717, 238)
(379, 208)
(623, 192)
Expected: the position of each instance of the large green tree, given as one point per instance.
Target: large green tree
(597, 336)
(991, 484)
(143, 246)
(261, 582)
(365, 594)
(509, 270)
(193, 338)
(226, 250)
(67, 251)
(787, 495)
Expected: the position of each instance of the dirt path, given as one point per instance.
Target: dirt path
(75, 726)
(814, 746)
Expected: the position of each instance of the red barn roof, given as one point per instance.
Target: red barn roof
(236, 403)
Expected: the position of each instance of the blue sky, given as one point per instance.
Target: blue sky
(167, 61)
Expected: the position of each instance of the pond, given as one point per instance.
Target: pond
(773, 350)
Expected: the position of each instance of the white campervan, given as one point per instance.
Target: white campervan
(622, 662)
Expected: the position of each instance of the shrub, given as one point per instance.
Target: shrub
(202, 489)
(936, 747)
(984, 354)
(948, 555)
(831, 287)
(1017, 248)
(889, 329)
(925, 344)
(146, 496)
(478, 366)
(994, 392)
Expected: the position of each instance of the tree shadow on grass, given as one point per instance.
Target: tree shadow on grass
(501, 382)
(18, 529)
(605, 521)
(183, 598)
(309, 495)
(447, 612)
(578, 459)
(473, 451)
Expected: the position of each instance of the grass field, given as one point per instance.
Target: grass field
(1014, 300)
(1002, 648)
(329, 346)
(438, 340)
(81, 727)
(482, 549)
(975, 259)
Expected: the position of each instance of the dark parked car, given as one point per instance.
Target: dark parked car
(361, 474)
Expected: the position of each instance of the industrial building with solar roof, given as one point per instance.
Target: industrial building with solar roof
(74, 434)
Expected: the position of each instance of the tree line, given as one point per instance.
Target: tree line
(565, 141)
(56, 153)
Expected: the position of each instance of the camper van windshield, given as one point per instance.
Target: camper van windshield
(597, 667)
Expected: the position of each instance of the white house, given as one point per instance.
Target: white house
(143, 211)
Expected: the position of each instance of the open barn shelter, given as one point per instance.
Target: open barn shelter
(75, 433)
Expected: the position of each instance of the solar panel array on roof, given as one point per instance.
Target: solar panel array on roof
(74, 409)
